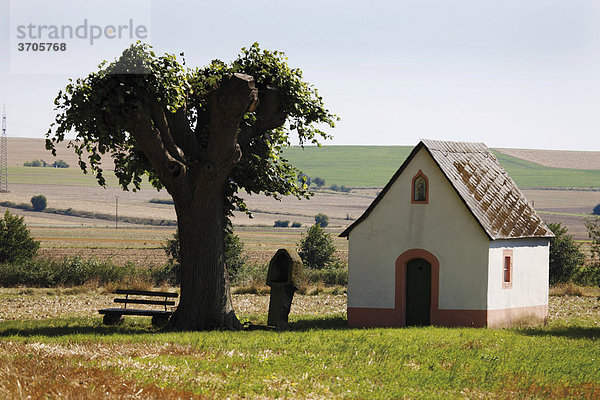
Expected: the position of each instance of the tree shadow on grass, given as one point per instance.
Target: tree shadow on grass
(61, 327)
(569, 332)
(324, 323)
(305, 324)
(58, 328)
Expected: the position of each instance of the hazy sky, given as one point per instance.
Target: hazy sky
(522, 74)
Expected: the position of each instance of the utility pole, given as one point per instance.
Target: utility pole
(116, 212)
(3, 156)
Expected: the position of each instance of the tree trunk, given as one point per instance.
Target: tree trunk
(205, 302)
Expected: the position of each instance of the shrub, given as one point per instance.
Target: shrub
(316, 248)
(234, 254)
(322, 220)
(303, 178)
(565, 255)
(318, 181)
(597, 209)
(593, 227)
(281, 223)
(296, 224)
(332, 275)
(39, 202)
(60, 164)
(345, 189)
(251, 275)
(234, 258)
(161, 201)
(334, 187)
(35, 163)
(16, 242)
(76, 270)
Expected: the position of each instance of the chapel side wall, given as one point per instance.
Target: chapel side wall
(530, 278)
(444, 227)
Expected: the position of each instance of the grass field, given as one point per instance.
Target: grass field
(373, 166)
(318, 357)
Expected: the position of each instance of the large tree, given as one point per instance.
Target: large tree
(204, 135)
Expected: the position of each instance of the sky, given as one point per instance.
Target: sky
(516, 74)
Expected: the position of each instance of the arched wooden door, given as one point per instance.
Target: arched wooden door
(418, 292)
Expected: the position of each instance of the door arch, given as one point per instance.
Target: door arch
(402, 263)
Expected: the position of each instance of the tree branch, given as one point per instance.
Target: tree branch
(270, 113)
(227, 106)
(182, 134)
(149, 139)
(160, 122)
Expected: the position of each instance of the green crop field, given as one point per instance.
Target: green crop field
(373, 166)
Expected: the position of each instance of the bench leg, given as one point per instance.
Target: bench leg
(112, 319)
(159, 321)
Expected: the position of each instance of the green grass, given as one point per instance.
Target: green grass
(364, 166)
(320, 357)
(373, 166)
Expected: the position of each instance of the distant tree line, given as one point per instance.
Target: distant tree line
(42, 163)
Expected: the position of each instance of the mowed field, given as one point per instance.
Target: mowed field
(363, 168)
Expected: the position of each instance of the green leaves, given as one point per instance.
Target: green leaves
(105, 107)
(16, 242)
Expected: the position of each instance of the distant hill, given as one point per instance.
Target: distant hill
(374, 166)
(366, 166)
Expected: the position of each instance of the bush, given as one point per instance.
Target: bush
(322, 220)
(318, 181)
(593, 227)
(332, 275)
(303, 178)
(35, 163)
(597, 209)
(334, 187)
(234, 258)
(251, 275)
(16, 242)
(296, 224)
(316, 248)
(161, 201)
(71, 271)
(281, 223)
(60, 164)
(565, 255)
(234, 254)
(39, 202)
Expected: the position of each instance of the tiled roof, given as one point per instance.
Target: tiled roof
(483, 185)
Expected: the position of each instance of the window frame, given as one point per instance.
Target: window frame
(507, 254)
(419, 174)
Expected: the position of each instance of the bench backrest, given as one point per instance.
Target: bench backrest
(128, 293)
(146, 293)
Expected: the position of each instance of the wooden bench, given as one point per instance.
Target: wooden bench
(159, 317)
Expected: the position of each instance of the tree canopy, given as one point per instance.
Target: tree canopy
(107, 106)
